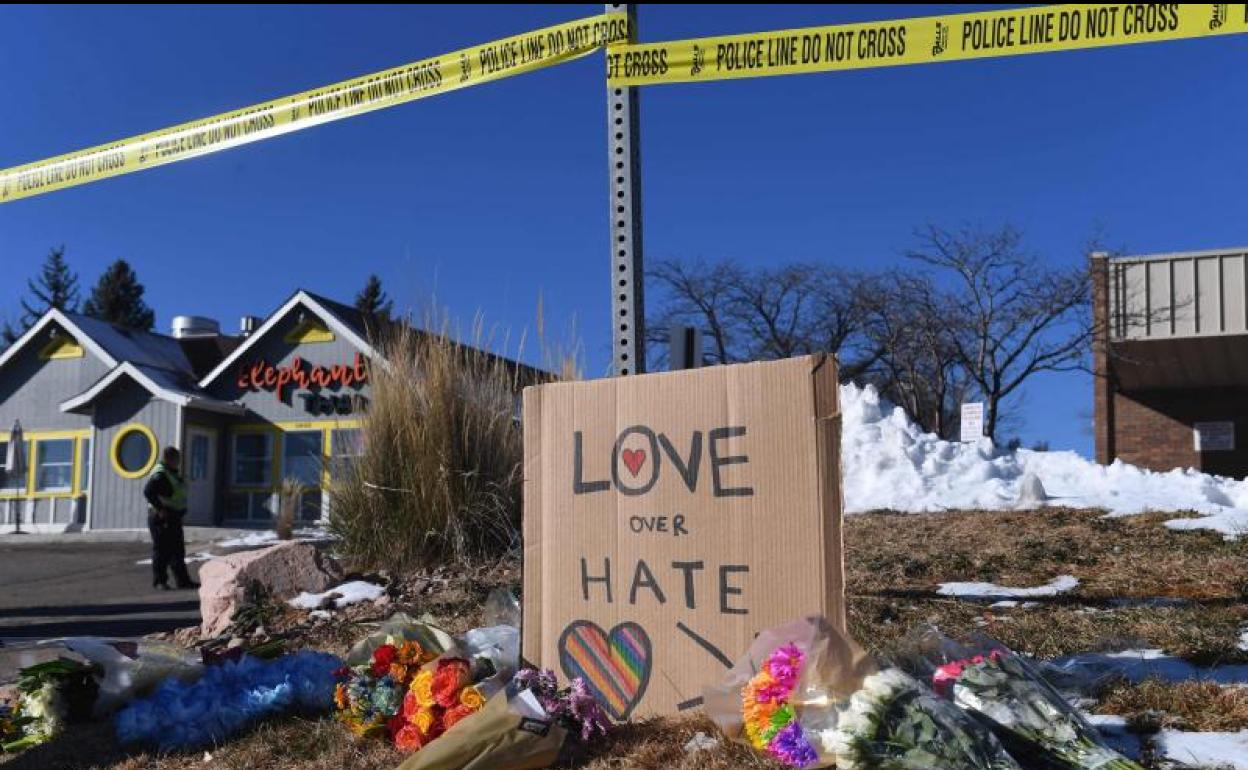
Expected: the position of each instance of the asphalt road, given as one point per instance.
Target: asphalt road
(87, 589)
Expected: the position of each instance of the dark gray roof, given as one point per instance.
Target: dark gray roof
(140, 348)
(346, 314)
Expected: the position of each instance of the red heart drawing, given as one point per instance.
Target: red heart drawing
(634, 459)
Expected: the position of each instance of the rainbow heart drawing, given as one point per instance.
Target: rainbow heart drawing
(615, 666)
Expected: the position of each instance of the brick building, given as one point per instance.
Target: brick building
(1171, 360)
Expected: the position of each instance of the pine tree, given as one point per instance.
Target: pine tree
(56, 287)
(373, 302)
(118, 299)
(8, 335)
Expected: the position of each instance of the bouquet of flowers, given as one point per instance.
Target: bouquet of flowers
(574, 707)
(410, 693)
(893, 721)
(369, 696)
(808, 696)
(1007, 693)
(50, 694)
(229, 697)
(530, 723)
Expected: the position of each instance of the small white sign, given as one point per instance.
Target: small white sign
(1214, 436)
(972, 421)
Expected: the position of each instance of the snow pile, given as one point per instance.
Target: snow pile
(354, 592)
(890, 463)
(1058, 585)
(257, 539)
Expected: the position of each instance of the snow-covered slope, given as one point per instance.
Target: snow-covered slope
(890, 463)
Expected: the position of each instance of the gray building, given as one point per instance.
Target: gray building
(97, 403)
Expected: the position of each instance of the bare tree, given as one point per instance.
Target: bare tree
(764, 313)
(698, 294)
(776, 310)
(918, 368)
(1006, 313)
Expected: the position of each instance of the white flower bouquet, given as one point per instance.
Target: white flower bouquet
(810, 697)
(51, 694)
(1008, 694)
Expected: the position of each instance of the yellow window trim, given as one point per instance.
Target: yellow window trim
(276, 431)
(134, 427)
(32, 464)
(61, 347)
(310, 331)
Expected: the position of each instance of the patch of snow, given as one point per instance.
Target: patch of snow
(353, 592)
(1204, 749)
(190, 558)
(1057, 585)
(257, 539)
(1113, 729)
(1138, 665)
(1243, 640)
(322, 614)
(701, 742)
(890, 463)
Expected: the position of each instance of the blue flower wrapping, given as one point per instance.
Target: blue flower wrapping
(228, 698)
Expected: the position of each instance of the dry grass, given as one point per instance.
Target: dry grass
(291, 498)
(439, 478)
(895, 562)
(659, 744)
(1200, 706)
(1129, 556)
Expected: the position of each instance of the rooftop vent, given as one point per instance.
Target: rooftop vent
(192, 326)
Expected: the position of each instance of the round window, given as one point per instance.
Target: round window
(134, 451)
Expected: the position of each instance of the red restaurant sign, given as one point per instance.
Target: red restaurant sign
(261, 375)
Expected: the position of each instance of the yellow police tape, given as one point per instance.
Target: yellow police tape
(418, 80)
(954, 37)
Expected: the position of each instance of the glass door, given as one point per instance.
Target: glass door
(301, 461)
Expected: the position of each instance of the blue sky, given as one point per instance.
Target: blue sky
(490, 198)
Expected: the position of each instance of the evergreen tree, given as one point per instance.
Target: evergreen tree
(118, 299)
(8, 335)
(56, 287)
(373, 302)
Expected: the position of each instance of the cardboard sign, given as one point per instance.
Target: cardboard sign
(668, 518)
(972, 421)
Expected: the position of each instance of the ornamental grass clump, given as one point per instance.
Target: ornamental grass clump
(438, 476)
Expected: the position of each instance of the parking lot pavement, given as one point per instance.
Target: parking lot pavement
(87, 589)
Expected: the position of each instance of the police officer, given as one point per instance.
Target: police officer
(165, 492)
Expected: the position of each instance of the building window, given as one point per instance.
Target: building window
(253, 460)
(253, 506)
(197, 463)
(84, 465)
(310, 506)
(16, 482)
(301, 456)
(133, 451)
(345, 447)
(54, 465)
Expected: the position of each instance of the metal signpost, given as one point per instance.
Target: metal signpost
(628, 326)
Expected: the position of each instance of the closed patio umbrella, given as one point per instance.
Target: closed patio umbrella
(15, 465)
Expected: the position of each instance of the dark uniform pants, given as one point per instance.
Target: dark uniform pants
(168, 550)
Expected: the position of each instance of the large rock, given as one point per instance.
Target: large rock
(286, 570)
